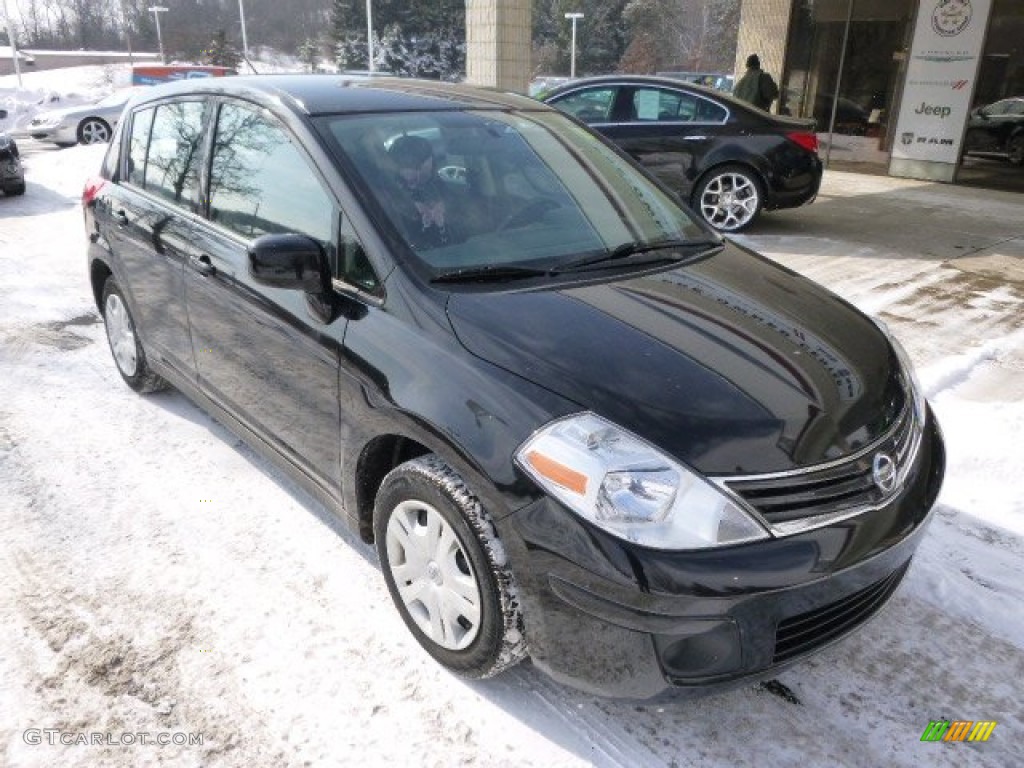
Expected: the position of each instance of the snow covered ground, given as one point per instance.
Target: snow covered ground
(156, 576)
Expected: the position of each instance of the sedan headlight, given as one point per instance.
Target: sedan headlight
(624, 485)
(909, 376)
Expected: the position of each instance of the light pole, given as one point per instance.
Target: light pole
(572, 61)
(156, 10)
(245, 39)
(369, 34)
(14, 44)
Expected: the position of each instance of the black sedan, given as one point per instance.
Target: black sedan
(575, 422)
(726, 158)
(997, 129)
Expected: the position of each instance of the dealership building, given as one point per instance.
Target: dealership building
(916, 88)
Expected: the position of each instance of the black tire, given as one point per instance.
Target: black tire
(93, 130)
(1015, 149)
(135, 371)
(498, 640)
(729, 214)
(18, 189)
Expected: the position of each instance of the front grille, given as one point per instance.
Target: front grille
(829, 490)
(802, 633)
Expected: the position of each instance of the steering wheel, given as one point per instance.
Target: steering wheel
(530, 212)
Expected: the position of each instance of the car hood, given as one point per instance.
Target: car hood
(732, 364)
(79, 110)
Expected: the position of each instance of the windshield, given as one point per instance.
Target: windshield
(478, 189)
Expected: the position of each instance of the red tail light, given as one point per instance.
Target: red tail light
(806, 139)
(92, 188)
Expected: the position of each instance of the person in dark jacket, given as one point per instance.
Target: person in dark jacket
(756, 87)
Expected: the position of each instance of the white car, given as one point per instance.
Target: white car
(82, 124)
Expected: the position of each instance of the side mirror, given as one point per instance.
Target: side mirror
(3, 114)
(289, 261)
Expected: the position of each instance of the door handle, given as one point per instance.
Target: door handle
(202, 265)
(121, 217)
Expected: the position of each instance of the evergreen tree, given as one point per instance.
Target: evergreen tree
(221, 53)
(309, 54)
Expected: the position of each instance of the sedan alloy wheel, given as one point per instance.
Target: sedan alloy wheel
(729, 199)
(94, 131)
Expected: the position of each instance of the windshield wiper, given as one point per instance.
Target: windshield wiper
(683, 249)
(489, 273)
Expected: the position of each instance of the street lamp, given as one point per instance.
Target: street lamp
(572, 65)
(369, 34)
(156, 10)
(14, 44)
(245, 39)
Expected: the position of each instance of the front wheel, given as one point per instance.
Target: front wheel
(1015, 149)
(125, 345)
(93, 130)
(446, 570)
(729, 198)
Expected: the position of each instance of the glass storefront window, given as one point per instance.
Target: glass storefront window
(994, 140)
(844, 64)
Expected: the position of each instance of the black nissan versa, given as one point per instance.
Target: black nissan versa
(577, 424)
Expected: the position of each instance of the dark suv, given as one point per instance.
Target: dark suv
(575, 422)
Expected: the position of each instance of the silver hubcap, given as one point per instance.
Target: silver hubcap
(94, 132)
(729, 201)
(434, 578)
(121, 335)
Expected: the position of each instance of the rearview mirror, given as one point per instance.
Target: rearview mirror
(289, 261)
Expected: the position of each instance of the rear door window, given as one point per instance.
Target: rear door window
(138, 143)
(662, 105)
(175, 143)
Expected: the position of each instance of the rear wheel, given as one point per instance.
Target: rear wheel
(446, 570)
(93, 130)
(729, 198)
(125, 345)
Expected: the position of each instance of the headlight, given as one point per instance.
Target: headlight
(909, 376)
(622, 484)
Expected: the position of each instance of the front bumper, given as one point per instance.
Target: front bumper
(58, 134)
(615, 619)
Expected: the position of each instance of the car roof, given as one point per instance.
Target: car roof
(316, 94)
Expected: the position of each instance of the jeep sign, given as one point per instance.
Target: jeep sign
(941, 73)
(929, 109)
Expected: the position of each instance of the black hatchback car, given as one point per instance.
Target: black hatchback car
(576, 424)
(726, 158)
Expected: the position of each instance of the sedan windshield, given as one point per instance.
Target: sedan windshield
(481, 189)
